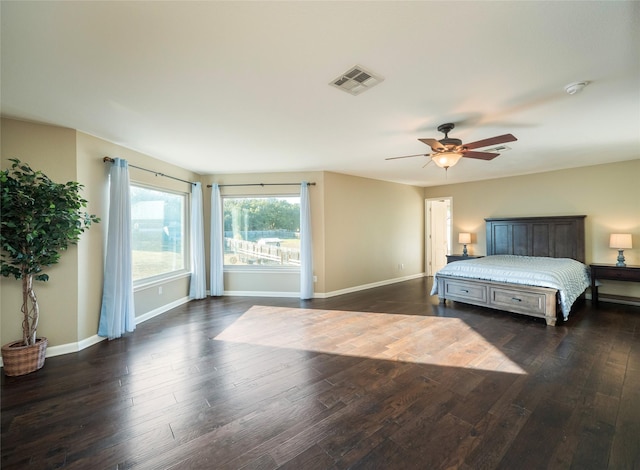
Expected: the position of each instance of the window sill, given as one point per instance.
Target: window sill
(159, 280)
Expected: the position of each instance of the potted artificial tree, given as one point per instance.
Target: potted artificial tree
(39, 219)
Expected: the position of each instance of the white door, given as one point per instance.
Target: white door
(438, 233)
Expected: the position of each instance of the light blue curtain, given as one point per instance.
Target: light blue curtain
(117, 314)
(217, 236)
(306, 247)
(198, 284)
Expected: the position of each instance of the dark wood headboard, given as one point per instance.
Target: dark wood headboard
(556, 237)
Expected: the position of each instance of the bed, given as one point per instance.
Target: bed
(553, 247)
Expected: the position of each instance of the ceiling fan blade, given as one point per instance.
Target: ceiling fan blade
(433, 143)
(409, 156)
(480, 155)
(501, 139)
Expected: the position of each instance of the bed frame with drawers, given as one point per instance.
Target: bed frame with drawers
(556, 237)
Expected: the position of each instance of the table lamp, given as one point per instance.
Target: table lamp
(464, 238)
(620, 241)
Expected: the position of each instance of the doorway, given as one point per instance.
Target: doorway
(438, 216)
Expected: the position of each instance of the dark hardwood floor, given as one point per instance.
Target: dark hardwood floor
(380, 379)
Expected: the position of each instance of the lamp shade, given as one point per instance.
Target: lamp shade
(464, 238)
(446, 159)
(620, 240)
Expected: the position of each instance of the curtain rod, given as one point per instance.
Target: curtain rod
(157, 173)
(262, 184)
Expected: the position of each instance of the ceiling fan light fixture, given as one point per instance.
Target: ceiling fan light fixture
(446, 159)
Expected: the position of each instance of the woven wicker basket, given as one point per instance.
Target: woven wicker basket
(18, 359)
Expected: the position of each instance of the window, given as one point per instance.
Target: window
(158, 232)
(262, 231)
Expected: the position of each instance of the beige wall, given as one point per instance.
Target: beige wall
(386, 218)
(70, 301)
(374, 231)
(609, 195)
(53, 151)
(274, 283)
(363, 231)
(94, 173)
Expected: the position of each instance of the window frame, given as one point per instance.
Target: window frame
(185, 271)
(255, 268)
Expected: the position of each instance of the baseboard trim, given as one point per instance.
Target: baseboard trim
(160, 310)
(323, 295)
(242, 293)
(69, 348)
(361, 287)
(619, 299)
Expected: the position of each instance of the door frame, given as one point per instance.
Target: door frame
(428, 265)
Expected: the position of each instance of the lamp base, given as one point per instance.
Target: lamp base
(620, 262)
(464, 250)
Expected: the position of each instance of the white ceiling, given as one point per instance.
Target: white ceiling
(235, 87)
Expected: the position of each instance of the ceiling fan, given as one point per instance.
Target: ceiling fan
(448, 151)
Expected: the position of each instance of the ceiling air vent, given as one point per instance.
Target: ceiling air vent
(498, 149)
(356, 80)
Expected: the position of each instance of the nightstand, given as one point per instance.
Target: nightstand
(613, 273)
(452, 258)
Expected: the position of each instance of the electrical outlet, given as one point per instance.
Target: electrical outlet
(315, 278)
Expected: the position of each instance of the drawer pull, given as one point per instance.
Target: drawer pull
(464, 290)
(515, 299)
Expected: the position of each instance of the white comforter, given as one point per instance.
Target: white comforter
(569, 276)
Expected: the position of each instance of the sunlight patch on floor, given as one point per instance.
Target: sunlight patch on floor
(410, 338)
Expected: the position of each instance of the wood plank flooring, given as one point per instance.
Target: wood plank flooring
(380, 379)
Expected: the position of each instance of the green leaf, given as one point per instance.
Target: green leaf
(40, 218)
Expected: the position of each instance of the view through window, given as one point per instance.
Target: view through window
(158, 232)
(261, 231)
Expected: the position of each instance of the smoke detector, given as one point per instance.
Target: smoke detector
(356, 80)
(575, 87)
